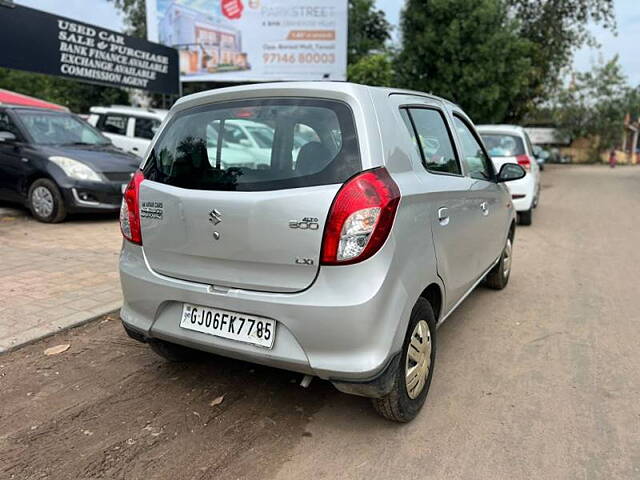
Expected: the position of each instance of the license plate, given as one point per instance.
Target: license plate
(232, 325)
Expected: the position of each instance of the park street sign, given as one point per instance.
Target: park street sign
(40, 42)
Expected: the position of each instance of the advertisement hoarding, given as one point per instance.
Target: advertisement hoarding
(54, 45)
(253, 40)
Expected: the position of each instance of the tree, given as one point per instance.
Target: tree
(468, 51)
(368, 30)
(557, 28)
(135, 16)
(375, 69)
(77, 96)
(594, 105)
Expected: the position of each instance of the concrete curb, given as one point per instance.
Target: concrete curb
(44, 331)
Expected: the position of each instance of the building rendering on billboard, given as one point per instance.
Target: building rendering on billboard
(253, 40)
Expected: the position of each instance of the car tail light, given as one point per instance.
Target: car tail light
(360, 218)
(524, 161)
(130, 210)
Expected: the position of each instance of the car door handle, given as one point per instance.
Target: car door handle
(135, 149)
(484, 208)
(443, 216)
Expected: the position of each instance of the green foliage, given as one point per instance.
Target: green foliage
(368, 30)
(557, 28)
(594, 104)
(373, 70)
(468, 51)
(77, 96)
(135, 16)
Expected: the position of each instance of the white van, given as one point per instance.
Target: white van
(129, 128)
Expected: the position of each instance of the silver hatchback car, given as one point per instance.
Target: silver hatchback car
(334, 249)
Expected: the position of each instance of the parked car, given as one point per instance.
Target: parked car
(541, 156)
(339, 266)
(129, 128)
(511, 144)
(55, 163)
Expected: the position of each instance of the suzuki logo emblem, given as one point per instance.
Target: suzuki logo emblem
(215, 216)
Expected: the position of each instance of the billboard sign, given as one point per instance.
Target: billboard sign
(253, 40)
(54, 45)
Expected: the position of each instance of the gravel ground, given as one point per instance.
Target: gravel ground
(540, 380)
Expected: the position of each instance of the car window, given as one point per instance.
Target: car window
(257, 145)
(146, 127)
(503, 145)
(7, 125)
(116, 124)
(432, 136)
(52, 128)
(473, 155)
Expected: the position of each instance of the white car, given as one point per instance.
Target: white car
(129, 128)
(511, 144)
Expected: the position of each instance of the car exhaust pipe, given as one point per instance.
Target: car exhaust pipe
(306, 381)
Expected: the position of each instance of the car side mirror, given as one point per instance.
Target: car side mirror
(7, 137)
(510, 172)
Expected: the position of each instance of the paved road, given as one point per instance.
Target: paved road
(541, 380)
(54, 276)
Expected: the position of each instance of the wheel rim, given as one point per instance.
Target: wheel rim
(42, 201)
(418, 359)
(506, 259)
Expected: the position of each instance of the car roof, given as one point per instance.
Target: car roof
(279, 88)
(157, 113)
(501, 128)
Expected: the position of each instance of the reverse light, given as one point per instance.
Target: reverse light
(130, 210)
(524, 161)
(360, 218)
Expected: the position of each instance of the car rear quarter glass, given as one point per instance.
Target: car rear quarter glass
(257, 145)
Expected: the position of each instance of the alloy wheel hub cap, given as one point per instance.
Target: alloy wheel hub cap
(418, 359)
(506, 262)
(42, 200)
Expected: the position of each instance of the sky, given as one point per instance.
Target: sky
(626, 44)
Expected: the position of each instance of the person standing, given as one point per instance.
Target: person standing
(613, 159)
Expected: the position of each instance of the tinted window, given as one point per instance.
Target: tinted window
(50, 128)
(257, 145)
(434, 140)
(476, 161)
(145, 127)
(113, 124)
(499, 145)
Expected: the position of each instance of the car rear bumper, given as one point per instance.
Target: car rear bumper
(344, 328)
(523, 192)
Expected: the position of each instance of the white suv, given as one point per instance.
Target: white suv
(129, 128)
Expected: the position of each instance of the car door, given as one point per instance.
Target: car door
(12, 166)
(447, 192)
(488, 199)
(141, 132)
(114, 126)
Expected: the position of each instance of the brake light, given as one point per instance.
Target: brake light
(130, 210)
(524, 161)
(360, 218)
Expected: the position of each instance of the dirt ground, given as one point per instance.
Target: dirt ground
(541, 380)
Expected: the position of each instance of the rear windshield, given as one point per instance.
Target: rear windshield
(257, 145)
(501, 145)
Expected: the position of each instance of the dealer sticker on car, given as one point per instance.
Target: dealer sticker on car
(232, 325)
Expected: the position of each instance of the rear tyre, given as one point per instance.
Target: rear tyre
(172, 352)
(525, 218)
(498, 277)
(413, 376)
(45, 201)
